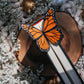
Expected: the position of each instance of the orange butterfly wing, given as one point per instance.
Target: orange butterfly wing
(54, 36)
(49, 20)
(34, 33)
(25, 27)
(43, 43)
(37, 35)
(49, 28)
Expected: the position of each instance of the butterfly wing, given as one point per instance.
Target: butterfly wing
(49, 21)
(34, 33)
(25, 27)
(43, 43)
(37, 35)
(53, 34)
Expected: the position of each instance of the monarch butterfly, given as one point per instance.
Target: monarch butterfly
(49, 31)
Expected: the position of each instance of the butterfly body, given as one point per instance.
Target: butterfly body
(49, 32)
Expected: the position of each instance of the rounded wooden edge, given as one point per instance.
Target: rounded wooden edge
(70, 26)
